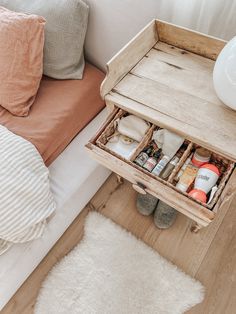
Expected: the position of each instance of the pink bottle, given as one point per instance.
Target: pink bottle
(206, 178)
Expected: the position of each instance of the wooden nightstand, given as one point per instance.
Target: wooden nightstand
(164, 75)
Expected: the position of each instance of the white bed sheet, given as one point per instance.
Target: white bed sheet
(75, 178)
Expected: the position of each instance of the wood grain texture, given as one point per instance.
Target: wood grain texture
(205, 123)
(201, 44)
(174, 78)
(144, 182)
(128, 56)
(167, 121)
(227, 195)
(193, 210)
(209, 255)
(217, 271)
(168, 69)
(179, 69)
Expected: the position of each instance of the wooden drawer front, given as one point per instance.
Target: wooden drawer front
(155, 186)
(165, 193)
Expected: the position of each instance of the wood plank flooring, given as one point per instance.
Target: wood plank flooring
(209, 256)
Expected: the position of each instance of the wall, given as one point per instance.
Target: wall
(113, 23)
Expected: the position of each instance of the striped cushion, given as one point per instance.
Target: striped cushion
(26, 199)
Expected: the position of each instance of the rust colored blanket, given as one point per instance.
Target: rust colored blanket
(61, 110)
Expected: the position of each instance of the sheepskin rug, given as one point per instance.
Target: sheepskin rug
(112, 272)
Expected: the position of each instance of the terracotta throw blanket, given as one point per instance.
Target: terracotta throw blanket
(25, 197)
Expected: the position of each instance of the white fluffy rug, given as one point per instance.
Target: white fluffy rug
(111, 272)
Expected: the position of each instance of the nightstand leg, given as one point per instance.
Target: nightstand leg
(120, 180)
(195, 227)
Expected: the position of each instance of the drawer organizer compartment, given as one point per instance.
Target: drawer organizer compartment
(185, 152)
(224, 165)
(164, 76)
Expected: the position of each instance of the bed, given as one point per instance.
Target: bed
(72, 172)
(59, 125)
(61, 110)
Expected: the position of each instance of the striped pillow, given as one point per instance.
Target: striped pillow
(26, 199)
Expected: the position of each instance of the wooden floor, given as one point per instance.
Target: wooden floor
(209, 256)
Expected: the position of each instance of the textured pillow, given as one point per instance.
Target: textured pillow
(65, 30)
(21, 60)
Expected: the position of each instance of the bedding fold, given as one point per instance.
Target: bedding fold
(62, 108)
(26, 198)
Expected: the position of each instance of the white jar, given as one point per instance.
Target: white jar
(224, 74)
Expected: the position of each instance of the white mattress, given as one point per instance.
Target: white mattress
(75, 178)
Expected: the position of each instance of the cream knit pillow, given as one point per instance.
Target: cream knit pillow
(65, 30)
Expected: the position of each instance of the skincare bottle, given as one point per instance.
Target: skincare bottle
(143, 156)
(187, 178)
(150, 164)
(152, 161)
(207, 177)
(187, 162)
(161, 165)
(171, 165)
(169, 168)
(201, 157)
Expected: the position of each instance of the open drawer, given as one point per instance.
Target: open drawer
(145, 182)
(164, 76)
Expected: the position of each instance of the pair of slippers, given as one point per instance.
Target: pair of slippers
(164, 215)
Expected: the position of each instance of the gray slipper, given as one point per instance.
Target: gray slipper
(146, 204)
(164, 215)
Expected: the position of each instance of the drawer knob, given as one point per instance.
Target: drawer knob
(140, 188)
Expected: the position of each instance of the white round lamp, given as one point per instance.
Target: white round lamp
(224, 74)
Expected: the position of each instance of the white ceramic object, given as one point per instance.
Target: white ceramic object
(224, 74)
(206, 178)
